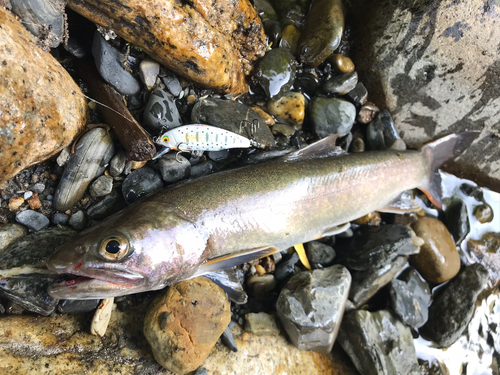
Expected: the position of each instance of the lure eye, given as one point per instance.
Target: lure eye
(165, 139)
(114, 247)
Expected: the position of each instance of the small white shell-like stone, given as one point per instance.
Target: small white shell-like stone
(101, 317)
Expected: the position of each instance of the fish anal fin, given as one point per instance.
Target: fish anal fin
(321, 149)
(336, 230)
(301, 252)
(231, 260)
(402, 204)
(432, 188)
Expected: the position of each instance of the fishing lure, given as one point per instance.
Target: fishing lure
(198, 138)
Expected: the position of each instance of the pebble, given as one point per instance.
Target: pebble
(227, 339)
(265, 10)
(367, 113)
(203, 169)
(283, 129)
(286, 267)
(139, 183)
(148, 72)
(32, 219)
(35, 202)
(78, 220)
(174, 168)
(453, 308)
(311, 305)
(359, 94)
(268, 119)
(307, 83)
(366, 283)
(290, 39)
(173, 85)
(183, 324)
(342, 63)
(117, 164)
(438, 260)
(63, 157)
(319, 254)
(331, 116)
(483, 213)
(381, 133)
(10, 233)
(38, 188)
(341, 84)
(259, 285)
(76, 306)
(101, 186)
(268, 264)
(234, 117)
(290, 109)
(260, 270)
(27, 195)
(60, 218)
(218, 155)
(101, 318)
(358, 145)
(161, 113)
(275, 72)
(15, 203)
(378, 343)
(261, 324)
(457, 220)
(111, 203)
(410, 297)
(109, 62)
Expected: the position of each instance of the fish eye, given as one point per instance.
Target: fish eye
(114, 247)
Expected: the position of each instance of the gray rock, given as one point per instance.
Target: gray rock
(261, 324)
(160, 113)
(410, 297)
(218, 155)
(117, 164)
(101, 186)
(453, 307)
(111, 203)
(366, 283)
(10, 233)
(139, 183)
(174, 168)
(287, 267)
(381, 132)
(374, 247)
(43, 18)
(234, 117)
(109, 62)
(63, 157)
(378, 343)
(311, 305)
(457, 220)
(60, 218)
(275, 72)
(148, 71)
(359, 94)
(173, 85)
(259, 285)
(78, 220)
(76, 306)
(38, 188)
(331, 116)
(341, 84)
(319, 254)
(203, 169)
(227, 339)
(32, 219)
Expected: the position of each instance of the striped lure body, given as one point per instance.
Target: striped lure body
(200, 137)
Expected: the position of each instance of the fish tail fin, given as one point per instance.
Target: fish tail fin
(440, 152)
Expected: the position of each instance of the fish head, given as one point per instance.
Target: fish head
(129, 253)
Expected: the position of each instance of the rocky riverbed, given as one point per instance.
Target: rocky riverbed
(413, 293)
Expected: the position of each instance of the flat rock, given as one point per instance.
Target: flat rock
(378, 343)
(276, 72)
(453, 307)
(183, 324)
(160, 113)
(101, 186)
(139, 183)
(311, 305)
(331, 116)
(261, 324)
(174, 168)
(170, 32)
(341, 84)
(42, 107)
(110, 204)
(32, 219)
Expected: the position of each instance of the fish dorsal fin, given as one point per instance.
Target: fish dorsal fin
(231, 260)
(402, 204)
(321, 149)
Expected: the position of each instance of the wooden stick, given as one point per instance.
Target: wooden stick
(131, 135)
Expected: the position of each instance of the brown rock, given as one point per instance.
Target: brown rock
(290, 39)
(35, 202)
(289, 109)
(15, 203)
(342, 63)
(183, 325)
(41, 107)
(212, 43)
(268, 119)
(438, 260)
(367, 113)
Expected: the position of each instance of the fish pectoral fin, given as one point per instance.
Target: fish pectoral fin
(302, 255)
(229, 283)
(403, 204)
(336, 230)
(321, 149)
(231, 260)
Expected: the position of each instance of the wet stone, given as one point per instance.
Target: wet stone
(139, 183)
(283, 129)
(60, 218)
(173, 85)
(367, 113)
(203, 169)
(78, 220)
(341, 84)
(32, 219)
(117, 164)
(148, 71)
(101, 186)
(109, 63)
(378, 343)
(273, 31)
(174, 168)
(381, 133)
(38, 188)
(290, 109)
(311, 305)
(261, 324)
(358, 94)
(218, 155)
(453, 306)
(75, 306)
(457, 220)
(10, 233)
(342, 63)
(276, 72)
(374, 247)
(111, 203)
(290, 39)
(410, 297)
(161, 113)
(227, 339)
(286, 267)
(319, 254)
(332, 116)
(265, 10)
(483, 213)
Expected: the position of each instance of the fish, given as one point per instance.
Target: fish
(221, 220)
